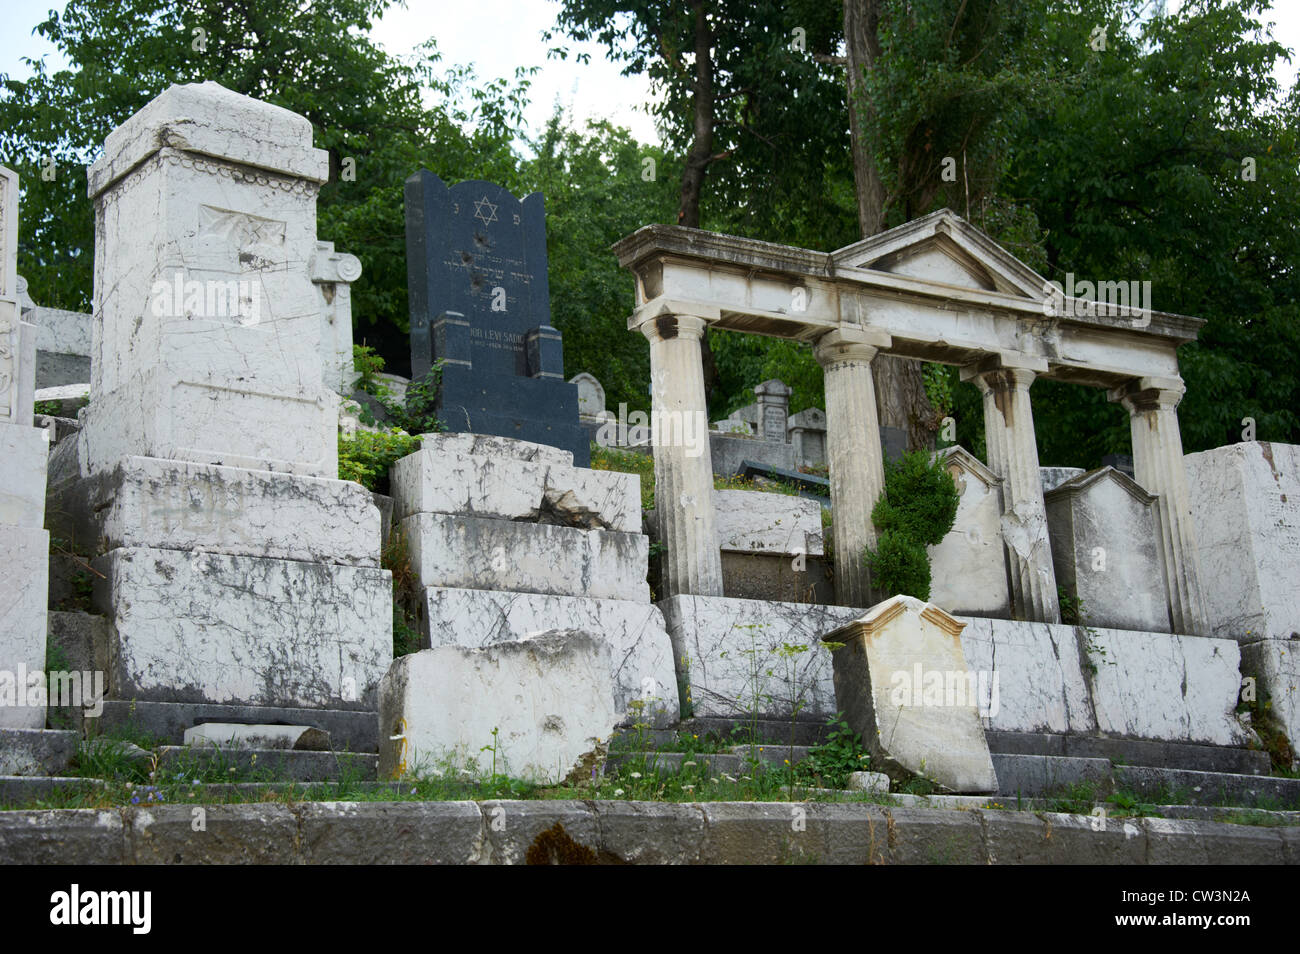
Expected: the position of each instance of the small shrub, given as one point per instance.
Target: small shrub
(916, 509)
(366, 456)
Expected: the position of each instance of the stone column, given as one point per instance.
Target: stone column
(333, 274)
(1013, 456)
(24, 542)
(853, 452)
(683, 460)
(1158, 466)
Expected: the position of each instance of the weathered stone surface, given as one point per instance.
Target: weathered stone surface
(24, 587)
(243, 630)
(885, 683)
(1053, 477)
(1034, 775)
(1053, 838)
(728, 453)
(1181, 842)
(208, 328)
(299, 738)
(400, 833)
(167, 415)
(265, 834)
(968, 568)
(489, 445)
(1275, 666)
(23, 454)
(1036, 672)
(1106, 550)
(650, 833)
(641, 651)
(179, 505)
(333, 274)
(591, 396)
(869, 782)
(1244, 504)
(481, 553)
(730, 653)
(36, 751)
(437, 479)
(807, 435)
(66, 836)
(82, 637)
(1157, 686)
(540, 833)
(543, 703)
(350, 729)
(754, 522)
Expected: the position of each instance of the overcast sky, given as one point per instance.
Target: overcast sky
(498, 35)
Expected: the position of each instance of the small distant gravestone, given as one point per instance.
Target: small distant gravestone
(480, 303)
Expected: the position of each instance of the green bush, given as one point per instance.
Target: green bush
(366, 456)
(900, 565)
(916, 509)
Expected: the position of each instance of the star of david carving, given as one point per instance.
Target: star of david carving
(478, 211)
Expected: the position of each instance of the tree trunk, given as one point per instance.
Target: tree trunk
(900, 389)
(699, 157)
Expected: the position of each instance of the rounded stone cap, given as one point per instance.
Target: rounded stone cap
(208, 119)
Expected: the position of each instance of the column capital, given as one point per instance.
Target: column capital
(1005, 370)
(1148, 394)
(663, 318)
(850, 343)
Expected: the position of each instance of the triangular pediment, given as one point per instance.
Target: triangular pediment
(944, 248)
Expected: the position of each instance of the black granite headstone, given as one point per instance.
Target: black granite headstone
(476, 281)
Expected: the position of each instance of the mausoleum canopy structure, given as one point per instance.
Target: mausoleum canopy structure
(935, 289)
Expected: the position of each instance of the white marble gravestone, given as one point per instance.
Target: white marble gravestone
(24, 542)
(236, 568)
(1106, 550)
(967, 569)
(902, 682)
(591, 397)
(207, 337)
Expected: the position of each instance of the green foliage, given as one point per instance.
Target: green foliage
(919, 500)
(628, 462)
(50, 408)
(916, 509)
(899, 565)
(366, 456)
(828, 765)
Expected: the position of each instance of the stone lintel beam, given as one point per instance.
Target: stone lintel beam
(1013, 456)
(683, 461)
(853, 451)
(1152, 404)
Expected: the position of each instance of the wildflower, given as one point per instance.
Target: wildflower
(688, 765)
(688, 788)
(135, 799)
(636, 775)
(618, 792)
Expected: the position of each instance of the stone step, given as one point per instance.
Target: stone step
(1178, 755)
(1210, 788)
(273, 764)
(764, 731)
(36, 752)
(19, 791)
(352, 731)
(1033, 775)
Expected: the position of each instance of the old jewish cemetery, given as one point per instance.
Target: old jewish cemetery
(196, 609)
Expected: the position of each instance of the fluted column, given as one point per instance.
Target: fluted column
(1013, 456)
(683, 460)
(853, 452)
(1152, 404)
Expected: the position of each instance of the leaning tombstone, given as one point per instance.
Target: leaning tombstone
(480, 305)
(902, 682)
